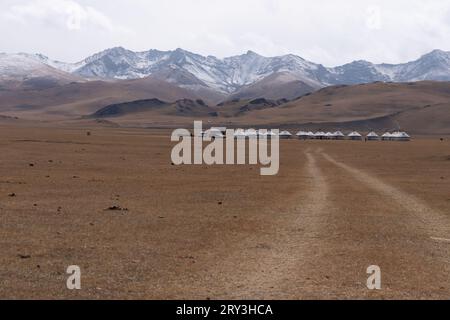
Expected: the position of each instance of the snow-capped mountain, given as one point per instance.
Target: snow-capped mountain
(432, 66)
(228, 75)
(23, 67)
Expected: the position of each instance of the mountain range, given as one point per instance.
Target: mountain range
(174, 88)
(249, 75)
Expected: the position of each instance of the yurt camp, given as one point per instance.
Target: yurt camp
(240, 134)
(400, 136)
(386, 136)
(265, 134)
(303, 135)
(213, 133)
(262, 133)
(285, 135)
(372, 136)
(251, 134)
(320, 135)
(338, 135)
(355, 136)
(202, 133)
(270, 134)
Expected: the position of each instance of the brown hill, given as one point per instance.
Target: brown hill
(422, 107)
(79, 99)
(144, 108)
(240, 107)
(418, 107)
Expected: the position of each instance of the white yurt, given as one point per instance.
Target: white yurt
(329, 136)
(386, 137)
(320, 135)
(355, 136)
(240, 134)
(262, 133)
(303, 135)
(338, 135)
(372, 136)
(265, 134)
(251, 134)
(400, 136)
(311, 135)
(285, 135)
(270, 134)
(213, 133)
(202, 134)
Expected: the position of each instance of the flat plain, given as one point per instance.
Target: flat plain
(112, 203)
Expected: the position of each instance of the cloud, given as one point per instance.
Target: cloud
(325, 31)
(373, 20)
(59, 13)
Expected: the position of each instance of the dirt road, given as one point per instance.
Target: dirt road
(221, 232)
(323, 246)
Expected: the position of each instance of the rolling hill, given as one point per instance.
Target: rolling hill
(422, 107)
(81, 98)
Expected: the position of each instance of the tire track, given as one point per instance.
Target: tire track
(279, 260)
(392, 229)
(435, 222)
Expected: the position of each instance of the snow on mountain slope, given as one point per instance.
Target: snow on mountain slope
(432, 66)
(357, 72)
(251, 67)
(229, 75)
(225, 75)
(280, 85)
(22, 66)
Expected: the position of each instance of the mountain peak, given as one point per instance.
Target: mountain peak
(41, 56)
(119, 48)
(436, 54)
(179, 55)
(114, 50)
(252, 53)
(438, 51)
(360, 63)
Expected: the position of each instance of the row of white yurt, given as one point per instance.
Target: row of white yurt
(285, 135)
(211, 133)
(396, 136)
(240, 134)
(214, 133)
(338, 135)
(372, 136)
(319, 135)
(401, 136)
(386, 136)
(304, 135)
(355, 136)
(252, 133)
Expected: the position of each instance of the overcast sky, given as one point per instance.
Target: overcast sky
(330, 32)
